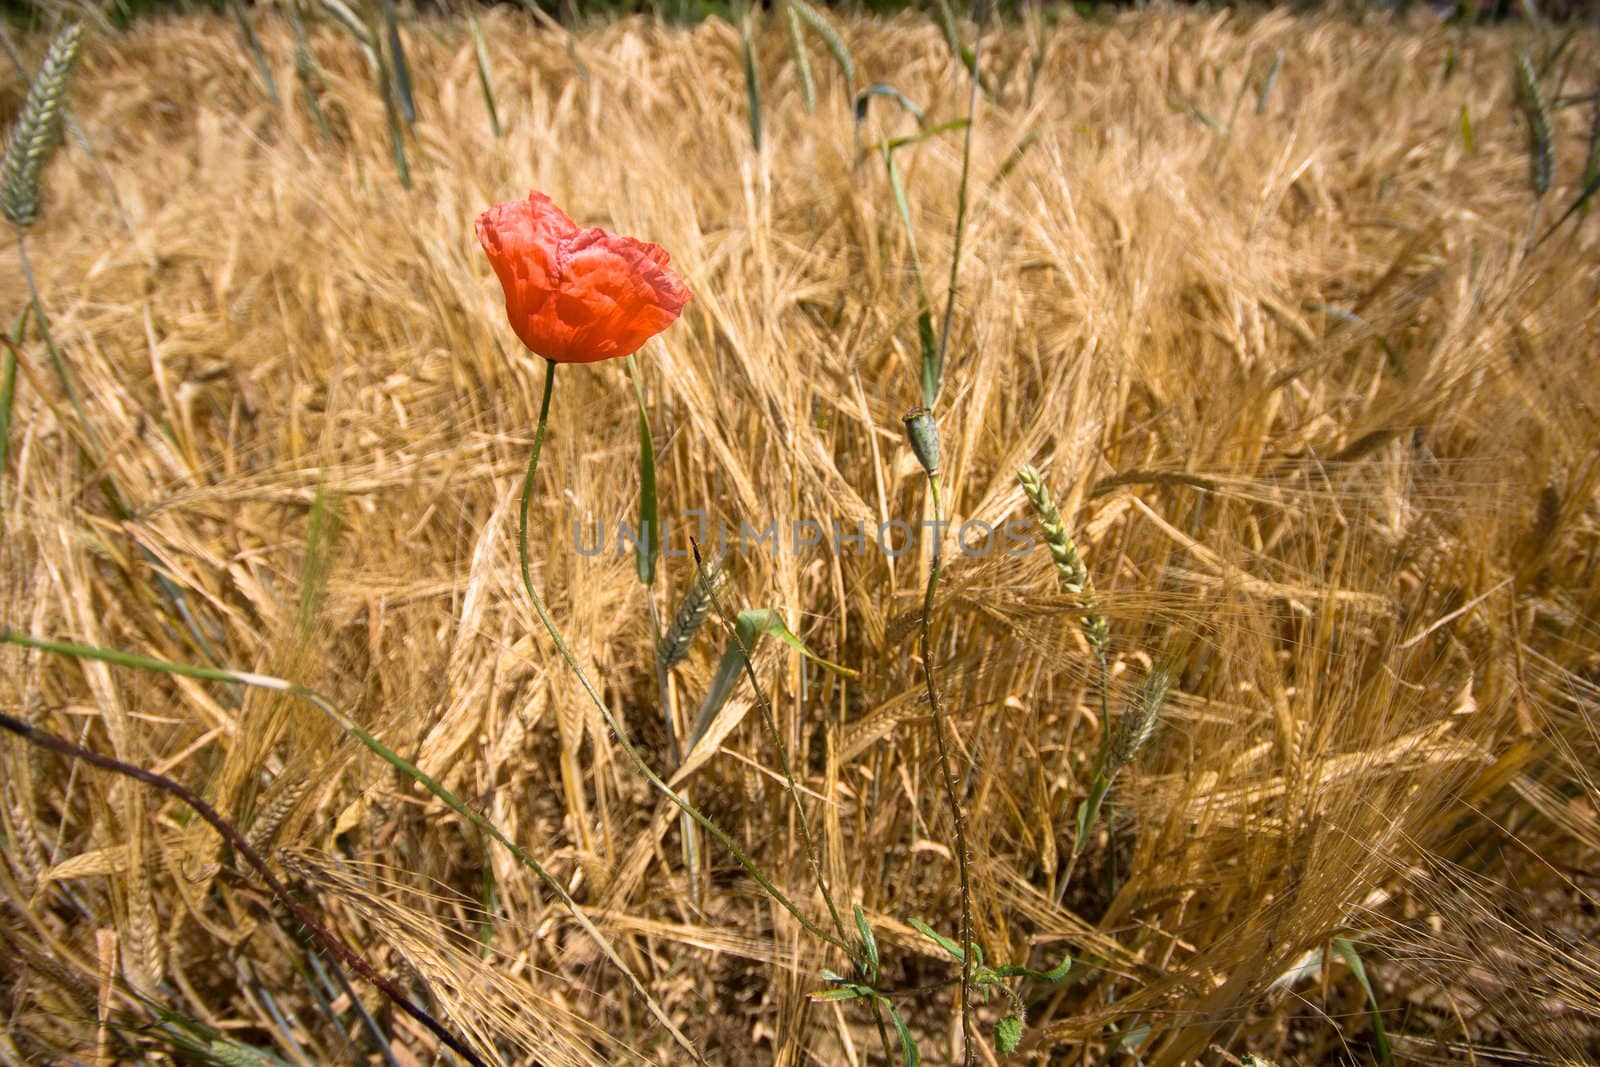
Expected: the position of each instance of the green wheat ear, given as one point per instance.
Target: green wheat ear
(1070, 569)
(1541, 145)
(36, 131)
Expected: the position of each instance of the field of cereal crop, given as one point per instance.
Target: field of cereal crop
(1269, 700)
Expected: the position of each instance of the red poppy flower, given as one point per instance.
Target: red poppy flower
(578, 295)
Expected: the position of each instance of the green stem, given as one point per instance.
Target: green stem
(961, 203)
(956, 815)
(611, 720)
(378, 748)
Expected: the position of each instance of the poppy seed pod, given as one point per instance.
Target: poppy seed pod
(923, 433)
(577, 295)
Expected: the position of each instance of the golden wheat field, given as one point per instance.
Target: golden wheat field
(1263, 298)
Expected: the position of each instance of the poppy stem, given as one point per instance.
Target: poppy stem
(605, 711)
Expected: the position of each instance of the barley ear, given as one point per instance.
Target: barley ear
(691, 615)
(36, 131)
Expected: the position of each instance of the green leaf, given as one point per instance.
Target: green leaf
(752, 84)
(1467, 140)
(1007, 1034)
(402, 69)
(480, 51)
(649, 511)
(943, 942)
(869, 943)
(1089, 811)
(729, 669)
(321, 537)
(849, 992)
(1050, 977)
(909, 1056)
(864, 97)
(1272, 80)
(1136, 1036)
(752, 624)
(921, 135)
(932, 365)
(263, 68)
(1347, 951)
(8, 385)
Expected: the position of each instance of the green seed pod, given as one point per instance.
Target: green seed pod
(923, 433)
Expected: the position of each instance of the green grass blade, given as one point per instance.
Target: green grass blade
(909, 1056)
(480, 52)
(752, 83)
(1347, 952)
(802, 64)
(752, 624)
(391, 115)
(932, 369)
(1050, 977)
(921, 135)
(967, 57)
(402, 69)
(1269, 84)
(729, 669)
(888, 92)
(932, 377)
(253, 43)
(8, 391)
(1579, 205)
(869, 942)
(323, 533)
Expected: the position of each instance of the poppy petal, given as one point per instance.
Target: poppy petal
(576, 296)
